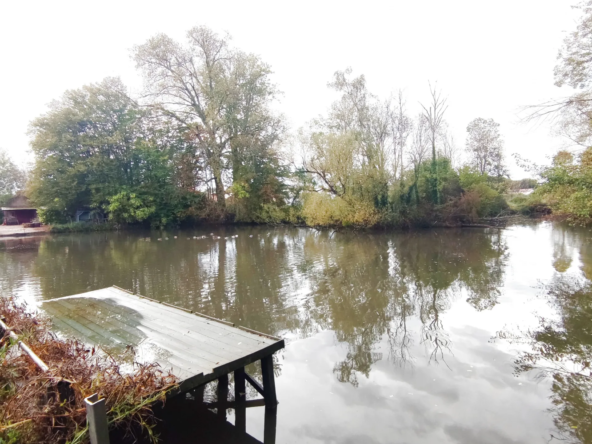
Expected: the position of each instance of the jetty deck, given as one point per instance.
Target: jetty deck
(195, 348)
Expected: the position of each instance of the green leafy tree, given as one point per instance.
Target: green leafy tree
(84, 149)
(128, 207)
(221, 97)
(567, 186)
(97, 148)
(351, 155)
(12, 178)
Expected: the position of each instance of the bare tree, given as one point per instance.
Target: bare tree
(449, 147)
(485, 146)
(419, 149)
(575, 56)
(571, 116)
(402, 126)
(434, 114)
(420, 141)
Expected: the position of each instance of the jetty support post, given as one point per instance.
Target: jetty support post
(240, 396)
(198, 393)
(96, 415)
(222, 395)
(269, 425)
(268, 382)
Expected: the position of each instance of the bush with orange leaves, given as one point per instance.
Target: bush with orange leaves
(48, 407)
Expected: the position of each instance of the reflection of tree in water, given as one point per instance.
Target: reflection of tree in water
(570, 243)
(366, 287)
(16, 256)
(562, 350)
(563, 245)
(241, 280)
(362, 287)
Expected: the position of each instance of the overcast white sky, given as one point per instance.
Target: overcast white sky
(489, 57)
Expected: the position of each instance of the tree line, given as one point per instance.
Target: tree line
(204, 142)
(566, 184)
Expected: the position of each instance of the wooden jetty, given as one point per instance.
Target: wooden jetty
(196, 348)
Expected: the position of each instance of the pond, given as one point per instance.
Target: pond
(448, 336)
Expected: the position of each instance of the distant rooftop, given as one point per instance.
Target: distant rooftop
(19, 202)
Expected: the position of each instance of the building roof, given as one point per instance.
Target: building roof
(18, 202)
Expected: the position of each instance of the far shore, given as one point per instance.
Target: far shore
(19, 230)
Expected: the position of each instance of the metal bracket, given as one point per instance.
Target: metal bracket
(96, 415)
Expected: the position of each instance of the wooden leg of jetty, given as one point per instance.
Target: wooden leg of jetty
(198, 393)
(268, 382)
(270, 425)
(222, 394)
(240, 396)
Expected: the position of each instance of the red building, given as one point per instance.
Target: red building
(18, 210)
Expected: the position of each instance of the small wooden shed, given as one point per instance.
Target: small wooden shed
(18, 210)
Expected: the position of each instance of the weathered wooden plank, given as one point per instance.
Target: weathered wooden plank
(94, 306)
(257, 333)
(216, 330)
(197, 349)
(228, 348)
(178, 354)
(76, 314)
(150, 308)
(217, 353)
(65, 328)
(180, 367)
(100, 324)
(248, 359)
(207, 320)
(84, 331)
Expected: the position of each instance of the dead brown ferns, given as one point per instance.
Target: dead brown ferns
(48, 407)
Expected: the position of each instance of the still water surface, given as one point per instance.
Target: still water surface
(448, 336)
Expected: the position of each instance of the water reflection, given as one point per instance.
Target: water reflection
(561, 349)
(385, 323)
(365, 288)
(361, 286)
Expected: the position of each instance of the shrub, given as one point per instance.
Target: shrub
(490, 202)
(480, 200)
(32, 409)
(129, 207)
(325, 210)
(568, 186)
(82, 227)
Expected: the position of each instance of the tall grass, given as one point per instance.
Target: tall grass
(83, 227)
(33, 409)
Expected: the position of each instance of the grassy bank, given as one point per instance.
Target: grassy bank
(35, 406)
(82, 227)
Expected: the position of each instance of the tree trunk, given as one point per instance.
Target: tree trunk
(219, 187)
(402, 183)
(436, 179)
